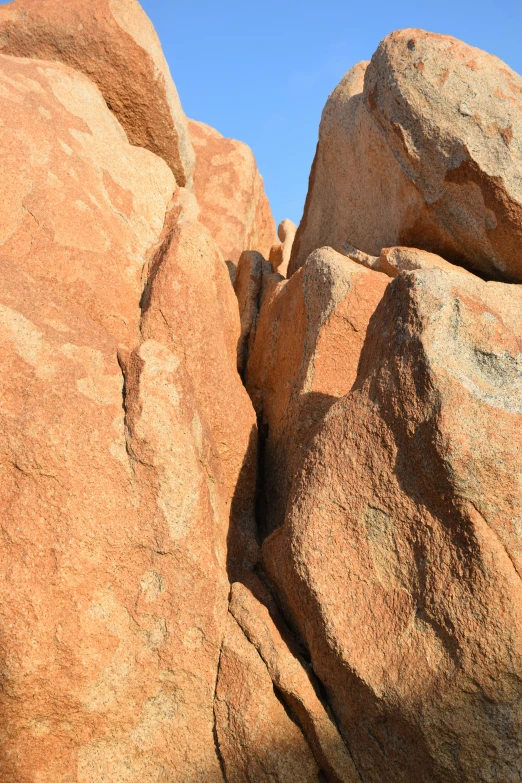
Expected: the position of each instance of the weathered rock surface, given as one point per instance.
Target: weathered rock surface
(422, 147)
(252, 273)
(231, 194)
(258, 741)
(188, 276)
(394, 260)
(400, 560)
(280, 254)
(309, 335)
(278, 651)
(121, 476)
(114, 43)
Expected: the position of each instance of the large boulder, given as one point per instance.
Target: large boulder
(190, 305)
(305, 353)
(114, 43)
(400, 560)
(231, 194)
(119, 467)
(421, 147)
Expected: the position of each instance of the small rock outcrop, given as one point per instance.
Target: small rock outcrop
(400, 559)
(280, 254)
(421, 147)
(257, 738)
(394, 260)
(114, 43)
(231, 194)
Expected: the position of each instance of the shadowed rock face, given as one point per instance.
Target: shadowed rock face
(400, 559)
(421, 147)
(114, 43)
(231, 194)
(257, 739)
(308, 339)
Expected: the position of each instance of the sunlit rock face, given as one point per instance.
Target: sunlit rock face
(120, 457)
(231, 194)
(114, 43)
(400, 558)
(258, 523)
(421, 147)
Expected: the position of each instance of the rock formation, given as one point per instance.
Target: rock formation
(113, 43)
(124, 474)
(268, 530)
(231, 195)
(280, 254)
(400, 558)
(309, 335)
(257, 738)
(421, 147)
(394, 260)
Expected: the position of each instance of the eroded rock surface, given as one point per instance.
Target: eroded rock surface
(125, 437)
(257, 616)
(258, 741)
(394, 260)
(253, 274)
(144, 638)
(114, 43)
(421, 147)
(231, 194)
(280, 254)
(309, 335)
(400, 559)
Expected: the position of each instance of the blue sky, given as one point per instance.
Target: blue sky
(262, 71)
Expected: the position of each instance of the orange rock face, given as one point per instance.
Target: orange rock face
(188, 276)
(400, 560)
(257, 739)
(309, 336)
(280, 254)
(230, 193)
(253, 271)
(382, 176)
(339, 599)
(263, 626)
(125, 437)
(114, 43)
(394, 260)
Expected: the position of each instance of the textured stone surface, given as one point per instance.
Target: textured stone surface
(257, 739)
(307, 344)
(76, 194)
(252, 271)
(231, 194)
(292, 681)
(394, 260)
(120, 474)
(421, 147)
(188, 277)
(114, 43)
(280, 253)
(400, 560)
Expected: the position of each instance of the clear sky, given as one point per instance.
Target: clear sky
(261, 71)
